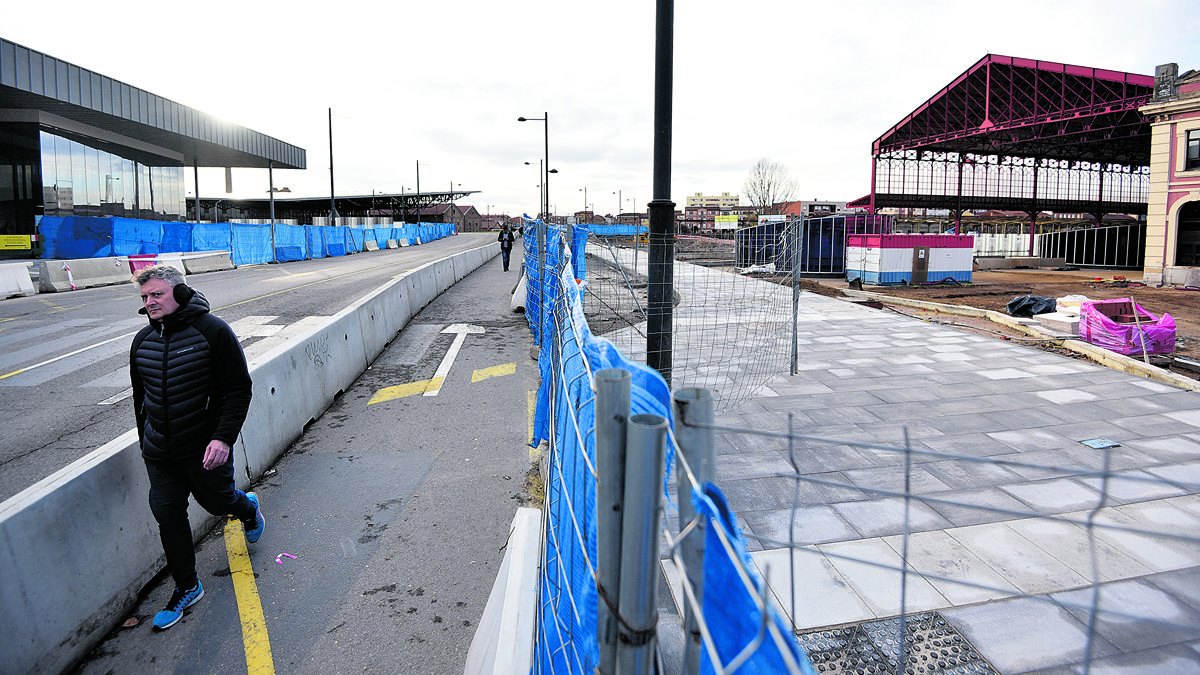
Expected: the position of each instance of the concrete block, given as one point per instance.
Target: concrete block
(391, 243)
(370, 245)
(1060, 322)
(56, 276)
(15, 280)
(207, 261)
(503, 643)
(296, 382)
(78, 547)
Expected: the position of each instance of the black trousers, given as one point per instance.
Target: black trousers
(171, 481)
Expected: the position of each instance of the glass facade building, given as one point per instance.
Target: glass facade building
(44, 173)
(78, 179)
(77, 143)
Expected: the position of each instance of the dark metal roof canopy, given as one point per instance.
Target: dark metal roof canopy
(404, 206)
(1076, 128)
(41, 88)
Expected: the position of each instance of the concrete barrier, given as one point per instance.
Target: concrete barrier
(207, 261)
(78, 547)
(370, 245)
(56, 276)
(15, 280)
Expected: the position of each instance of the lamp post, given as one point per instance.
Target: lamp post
(333, 214)
(545, 120)
(273, 190)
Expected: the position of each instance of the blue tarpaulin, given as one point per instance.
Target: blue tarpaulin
(78, 237)
(290, 243)
(212, 237)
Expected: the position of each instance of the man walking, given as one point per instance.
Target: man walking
(191, 392)
(506, 239)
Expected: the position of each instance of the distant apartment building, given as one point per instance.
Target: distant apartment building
(815, 208)
(723, 200)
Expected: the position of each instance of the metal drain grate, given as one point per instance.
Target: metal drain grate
(931, 647)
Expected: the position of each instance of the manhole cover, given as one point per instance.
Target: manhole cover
(931, 647)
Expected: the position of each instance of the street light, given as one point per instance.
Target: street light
(272, 191)
(545, 120)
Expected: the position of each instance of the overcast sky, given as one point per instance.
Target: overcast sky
(808, 85)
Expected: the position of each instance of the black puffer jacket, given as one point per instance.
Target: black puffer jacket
(190, 382)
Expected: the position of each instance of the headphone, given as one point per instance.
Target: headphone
(183, 293)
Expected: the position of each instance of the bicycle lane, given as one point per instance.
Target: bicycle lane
(396, 505)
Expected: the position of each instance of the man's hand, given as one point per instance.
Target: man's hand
(216, 454)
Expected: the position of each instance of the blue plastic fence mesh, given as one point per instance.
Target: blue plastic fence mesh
(565, 638)
(76, 237)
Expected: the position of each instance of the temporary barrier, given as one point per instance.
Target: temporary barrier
(71, 238)
(736, 626)
(291, 243)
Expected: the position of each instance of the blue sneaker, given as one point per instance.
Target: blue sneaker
(180, 600)
(254, 528)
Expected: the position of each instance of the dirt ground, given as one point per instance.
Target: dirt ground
(995, 288)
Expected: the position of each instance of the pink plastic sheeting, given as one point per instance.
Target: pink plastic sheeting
(1126, 338)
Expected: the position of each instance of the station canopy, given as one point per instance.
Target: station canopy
(1021, 134)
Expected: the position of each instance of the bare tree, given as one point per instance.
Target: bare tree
(769, 186)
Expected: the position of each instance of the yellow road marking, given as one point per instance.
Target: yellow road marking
(495, 371)
(254, 623)
(400, 391)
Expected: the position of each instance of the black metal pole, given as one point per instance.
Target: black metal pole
(546, 178)
(333, 214)
(662, 209)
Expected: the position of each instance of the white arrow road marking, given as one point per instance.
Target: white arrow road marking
(462, 330)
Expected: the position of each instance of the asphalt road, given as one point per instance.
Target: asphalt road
(64, 378)
(396, 505)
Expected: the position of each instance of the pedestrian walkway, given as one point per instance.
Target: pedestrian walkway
(999, 492)
(386, 522)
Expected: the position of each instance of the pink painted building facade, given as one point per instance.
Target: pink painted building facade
(1173, 217)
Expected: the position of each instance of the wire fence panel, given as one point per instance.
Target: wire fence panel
(989, 539)
(753, 637)
(731, 332)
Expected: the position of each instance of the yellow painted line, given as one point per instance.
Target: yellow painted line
(435, 386)
(400, 391)
(254, 623)
(495, 371)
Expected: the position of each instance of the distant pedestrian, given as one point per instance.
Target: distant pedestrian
(506, 240)
(191, 393)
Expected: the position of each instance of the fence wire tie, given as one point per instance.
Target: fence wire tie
(636, 636)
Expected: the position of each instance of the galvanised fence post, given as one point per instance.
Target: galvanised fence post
(645, 450)
(612, 420)
(693, 409)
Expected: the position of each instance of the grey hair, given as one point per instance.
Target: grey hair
(169, 274)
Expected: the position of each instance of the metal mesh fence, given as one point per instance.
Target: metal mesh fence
(855, 546)
(569, 598)
(731, 327)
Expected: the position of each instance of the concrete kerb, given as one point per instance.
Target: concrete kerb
(1099, 354)
(78, 546)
